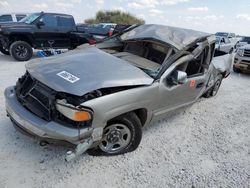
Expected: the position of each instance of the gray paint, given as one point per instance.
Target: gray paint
(95, 68)
(177, 37)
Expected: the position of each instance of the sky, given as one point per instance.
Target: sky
(203, 15)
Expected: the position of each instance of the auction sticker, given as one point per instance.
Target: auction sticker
(68, 76)
(192, 83)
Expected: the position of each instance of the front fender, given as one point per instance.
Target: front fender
(113, 105)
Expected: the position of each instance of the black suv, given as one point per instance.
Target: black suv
(41, 31)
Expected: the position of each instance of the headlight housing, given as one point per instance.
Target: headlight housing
(77, 114)
(240, 52)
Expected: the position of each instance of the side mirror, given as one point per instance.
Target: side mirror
(40, 23)
(178, 77)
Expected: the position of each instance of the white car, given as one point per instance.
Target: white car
(225, 45)
(231, 36)
(12, 17)
(243, 42)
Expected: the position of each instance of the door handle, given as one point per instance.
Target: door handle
(200, 85)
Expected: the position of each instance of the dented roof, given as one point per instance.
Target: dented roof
(177, 37)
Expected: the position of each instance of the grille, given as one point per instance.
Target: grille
(35, 96)
(40, 100)
(247, 53)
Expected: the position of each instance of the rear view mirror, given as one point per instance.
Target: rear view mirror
(178, 77)
(40, 23)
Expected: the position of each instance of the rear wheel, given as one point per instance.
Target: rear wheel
(236, 70)
(121, 135)
(21, 51)
(4, 51)
(214, 90)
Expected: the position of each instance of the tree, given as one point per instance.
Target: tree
(114, 17)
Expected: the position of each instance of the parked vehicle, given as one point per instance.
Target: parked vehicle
(224, 44)
(41, 31)
(242, 59)
(15, 17)
(120, 28)
(230, 36)
(244, 41)
(225, 34)
(100, 97)
(99, 31)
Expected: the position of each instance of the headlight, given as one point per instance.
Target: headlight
(240, 52)
(74, 113)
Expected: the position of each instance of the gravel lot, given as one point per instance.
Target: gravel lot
(205, 145)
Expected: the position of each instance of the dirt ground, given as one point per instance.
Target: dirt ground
(205, 145)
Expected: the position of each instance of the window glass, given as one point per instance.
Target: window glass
(6, 18)
(30, 18)
(19, 17)
(65, 21)
(49, 20)
(196, 66)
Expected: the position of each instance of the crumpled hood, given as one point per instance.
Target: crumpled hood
(91, 69)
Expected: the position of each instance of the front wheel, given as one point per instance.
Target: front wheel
(4, 51)
(122, 134)
(21, 51)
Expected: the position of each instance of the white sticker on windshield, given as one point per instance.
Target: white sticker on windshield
(67, 76)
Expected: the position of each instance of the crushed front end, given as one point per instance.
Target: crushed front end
(44, 113)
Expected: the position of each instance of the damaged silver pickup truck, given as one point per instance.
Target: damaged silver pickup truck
(99, 98)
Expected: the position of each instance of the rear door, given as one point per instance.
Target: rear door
(53, 34)
(226, 45)
(66, 25)
(46, 35)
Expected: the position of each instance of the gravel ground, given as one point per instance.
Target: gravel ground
(205, 145)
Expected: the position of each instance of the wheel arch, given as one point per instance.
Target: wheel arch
(21, 37)
(141, 113)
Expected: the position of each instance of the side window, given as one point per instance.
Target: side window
(65, 21)
(49, 20)
(19, 17)
(6, 18)
(195, 67)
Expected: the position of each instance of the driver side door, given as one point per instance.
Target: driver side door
(175, 95)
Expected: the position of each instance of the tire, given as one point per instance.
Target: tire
(231, 51)
(128, 124)
(5, 52)
(236, 70)
(214, 90)
(21, 51)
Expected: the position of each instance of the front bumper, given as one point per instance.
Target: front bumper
(44, 129)
(242, 63)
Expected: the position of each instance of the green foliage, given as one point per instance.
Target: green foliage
(114, 17)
